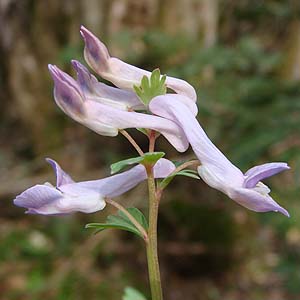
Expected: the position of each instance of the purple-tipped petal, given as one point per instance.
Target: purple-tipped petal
(120, 73)
(67, 93)
(256, 201)
(61, 176)
(100, 92)
(258, 173)
(84, 78)
(95, 52)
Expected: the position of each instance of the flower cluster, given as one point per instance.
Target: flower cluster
(107, 110)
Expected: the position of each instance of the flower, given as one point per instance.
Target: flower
(87, 196)
(101, 114)
(216, 170)
(126, 76)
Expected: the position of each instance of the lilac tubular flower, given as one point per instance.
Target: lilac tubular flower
(106, 119)
(114, 97)
(216, 170)
(87, 196)
(123, 75)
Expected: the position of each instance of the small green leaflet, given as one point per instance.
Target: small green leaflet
(121, 221)
(132, 294)
(188, 173)
(151, 87)
(147, 158)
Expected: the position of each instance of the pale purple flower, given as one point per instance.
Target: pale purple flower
(96, 113)
(92, 89)
(215, 169)
(87, 196)
(125, 76)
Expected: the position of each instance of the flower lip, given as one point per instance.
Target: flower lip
(255, 201)
(258, 173)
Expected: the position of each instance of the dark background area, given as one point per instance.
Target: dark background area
(243, 58)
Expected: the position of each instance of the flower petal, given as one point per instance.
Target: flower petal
(120, 73)
(47, 200)
(256, 201)
(61, 176)
(258, 173)
(209, 155)
(118, 184)
(37, 196)
(163, 168)
(98, 113)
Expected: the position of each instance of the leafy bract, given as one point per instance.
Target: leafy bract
(188, 173)
(147, 158)
(121, 221)
(151, 87)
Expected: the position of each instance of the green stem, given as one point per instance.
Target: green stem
(152, 256)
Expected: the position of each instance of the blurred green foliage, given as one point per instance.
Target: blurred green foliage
(249, 109)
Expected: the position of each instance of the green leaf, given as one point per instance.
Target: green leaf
(132, 294)
(118, 166)
(137, 214)
(152, 157)
(188, 173)
(147, 158)
(122, 222)
(151, 87)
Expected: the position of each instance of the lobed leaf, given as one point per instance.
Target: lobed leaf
(151, 87)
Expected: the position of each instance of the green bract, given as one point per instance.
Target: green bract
(151, 87)
(188, 173)
(147, 158)
(121, 221)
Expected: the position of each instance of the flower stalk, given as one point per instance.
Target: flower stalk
(132, 142)
(152, 256)
(151, 245)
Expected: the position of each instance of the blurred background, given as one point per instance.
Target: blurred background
(243, 58)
